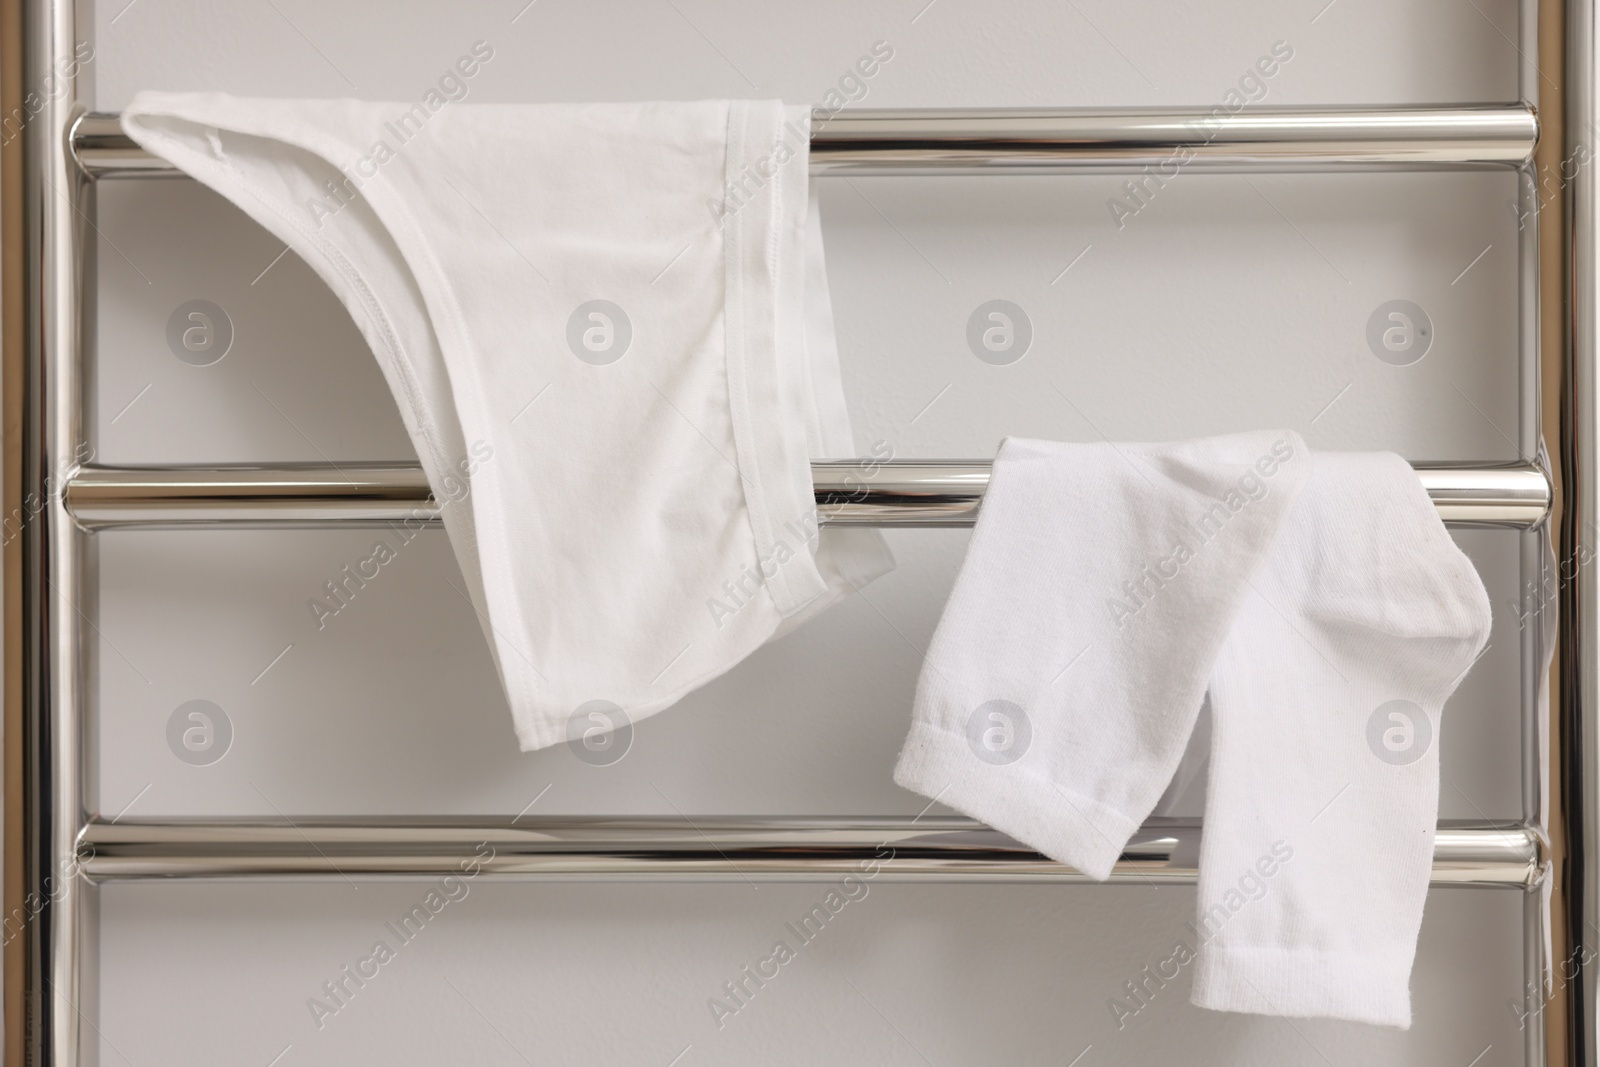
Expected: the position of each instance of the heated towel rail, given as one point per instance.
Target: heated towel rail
(65, 151)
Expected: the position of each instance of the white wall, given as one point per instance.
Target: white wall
(1227, 304)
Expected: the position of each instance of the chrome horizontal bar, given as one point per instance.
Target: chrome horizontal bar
(1060, 141)
(1042, 140)
(307, 496)
(849, 493)
(712, 848)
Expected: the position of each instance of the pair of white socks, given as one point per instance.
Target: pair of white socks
(1321, 602)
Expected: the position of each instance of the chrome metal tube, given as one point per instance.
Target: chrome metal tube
(1535, 632)
(1061, 141)
(849, 493)
(1254, 139)
(1578, 728)
(58, 594)
(709, 848)
(319, 495)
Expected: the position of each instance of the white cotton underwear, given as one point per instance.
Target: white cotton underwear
(608, 332)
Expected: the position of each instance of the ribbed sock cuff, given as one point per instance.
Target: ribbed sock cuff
(1066, 826)
(1305, 983)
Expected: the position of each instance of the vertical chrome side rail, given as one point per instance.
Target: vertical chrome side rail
(13, 305)
(1533, 612)
(58, 203)
(1534, 767)
(1580, 594)
(1532, 550)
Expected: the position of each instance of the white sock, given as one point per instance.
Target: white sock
(1324, 792)
(1067, 670)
